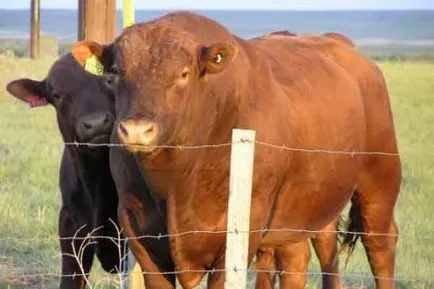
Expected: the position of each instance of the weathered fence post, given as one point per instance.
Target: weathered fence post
(97, 20)
(35, 29)
(240, 194)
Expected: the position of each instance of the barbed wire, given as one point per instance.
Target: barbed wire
(228, 144)
(215, 232)
(236, 270)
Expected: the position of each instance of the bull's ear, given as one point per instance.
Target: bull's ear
(92, 56)
(30, 91)
(216, 58)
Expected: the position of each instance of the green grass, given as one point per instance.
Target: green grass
(30, 148)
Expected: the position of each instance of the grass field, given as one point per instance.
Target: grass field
(30, 149)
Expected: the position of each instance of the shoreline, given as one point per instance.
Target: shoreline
(379, 50)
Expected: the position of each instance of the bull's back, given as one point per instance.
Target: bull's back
(380, 134)
(309, 102)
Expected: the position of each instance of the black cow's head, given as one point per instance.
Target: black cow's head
(84, 107)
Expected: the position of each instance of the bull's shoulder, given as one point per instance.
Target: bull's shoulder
(292, 58)
(283, 33)
(306, 54)
(340, 37)
(275, 34)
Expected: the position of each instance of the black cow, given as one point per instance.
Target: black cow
(85, 109)
(89, 200)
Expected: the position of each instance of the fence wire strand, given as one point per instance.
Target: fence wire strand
(228, 144)
(213, 271)
(214, 232)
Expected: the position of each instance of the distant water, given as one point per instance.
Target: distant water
(411, 29)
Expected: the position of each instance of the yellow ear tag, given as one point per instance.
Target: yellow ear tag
(94, 66)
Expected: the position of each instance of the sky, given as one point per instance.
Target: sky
(242, 4)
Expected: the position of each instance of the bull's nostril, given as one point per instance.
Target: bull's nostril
(123, 130)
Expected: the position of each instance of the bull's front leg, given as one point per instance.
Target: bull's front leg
(141, 214)
(144, 257)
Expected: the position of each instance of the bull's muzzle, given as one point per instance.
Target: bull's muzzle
(138, 135)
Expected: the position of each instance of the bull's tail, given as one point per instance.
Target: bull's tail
(349, 235)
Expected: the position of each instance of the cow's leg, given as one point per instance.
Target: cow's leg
(326, 248)
(325, 245)
(216, 280)
(293, 259)
(109, 248)
(373, 206)
(265, 265)
(72, 270)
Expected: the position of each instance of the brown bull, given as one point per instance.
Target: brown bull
(191, 85)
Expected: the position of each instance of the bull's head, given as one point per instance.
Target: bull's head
(168, 85)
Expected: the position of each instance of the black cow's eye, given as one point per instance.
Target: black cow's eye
(111, 77)
(110, 80)
(56, 96)
(113, 70)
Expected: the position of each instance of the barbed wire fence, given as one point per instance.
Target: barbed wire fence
(123, 276)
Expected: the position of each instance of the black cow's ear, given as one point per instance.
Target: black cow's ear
(30, 91)
(216, 58)
(92, 56)
(83, 50)
(107, 56)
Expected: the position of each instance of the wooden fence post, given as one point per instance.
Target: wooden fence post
(35, 29)
(97, 20)
(240, 194)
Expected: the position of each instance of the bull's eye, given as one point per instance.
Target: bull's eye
(183, 79)
(218, 58)
(185, 73)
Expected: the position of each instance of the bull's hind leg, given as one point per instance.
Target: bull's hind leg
(292, 259)
(325, 244)
(378, 188)
(265, 265)
(73, 269)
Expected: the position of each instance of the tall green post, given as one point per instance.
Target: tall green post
(128, 13)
